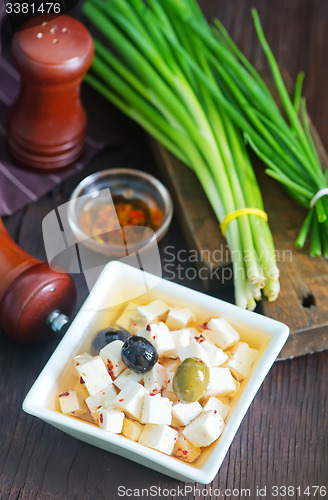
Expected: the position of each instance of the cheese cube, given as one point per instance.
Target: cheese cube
(156, 410)
(94, 375)
(154, 311)
(99, 399)
(110, 420)
(184, 413)
(221, 333)
(215, 355)
(161, 337)
(125, 320)
(130, 399)
(221, 382)
(170, 395)
(127, 376)
(205, 429)
(159, 437)
(216, 404)
(69, 402)
(242, 360)
(111, 356)
(178, 318)
(81, 358)
(155, 379)
(184, 450)
(170, 364)
(132, 429)
(169, 381)
(194, 350)
(181, 338)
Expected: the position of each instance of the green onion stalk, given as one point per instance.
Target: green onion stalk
(148, 66)
(281, 139)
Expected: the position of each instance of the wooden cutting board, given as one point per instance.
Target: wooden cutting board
(303, 301)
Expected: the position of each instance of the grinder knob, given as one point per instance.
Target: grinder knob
(31, 294)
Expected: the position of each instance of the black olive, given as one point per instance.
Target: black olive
(139, 354)
(107, 336)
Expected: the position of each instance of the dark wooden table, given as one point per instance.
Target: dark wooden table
(283, 439)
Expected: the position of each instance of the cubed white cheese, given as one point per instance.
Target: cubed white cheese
(184, 450)
(125, 320)
(178, 318)
(127, 376)
(181, 338)
(161, 337)
(221, 381)
(110, 420)
(242, 360)
(69, 402)
(159, 437)
(216, 404)
(107, 394)
(184, 413)
(156, 410)
(215, 355)
(194, 350)
(170, 395)
(81, 358)
(205, 429)
(94, 375)
(130, 399)
(169, 381)
(221, 333)
(170, 364)
(132, 429)
(155, 379)
(111, 356)
(152, 312)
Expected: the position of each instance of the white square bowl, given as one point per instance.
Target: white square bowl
(117, 284)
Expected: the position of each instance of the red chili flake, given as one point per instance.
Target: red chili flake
(134, 334)
(81, 381)
(101, 418)
(168, 381)
(204, 326)
(148, 328)
(110, 368)
(154, 392)
(185, 452)
(138, 214)
(77, 364)
(154, 337)
(120, 400)
(98, 407)
(200, 339)
(215, 411)
(63, 394)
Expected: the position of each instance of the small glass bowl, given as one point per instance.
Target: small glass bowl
(130, 183)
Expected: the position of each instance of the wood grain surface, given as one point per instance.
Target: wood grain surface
(283, 438)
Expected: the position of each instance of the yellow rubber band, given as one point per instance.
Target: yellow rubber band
(242, 211)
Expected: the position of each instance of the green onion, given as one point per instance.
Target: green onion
(155, 73)
(284, 144)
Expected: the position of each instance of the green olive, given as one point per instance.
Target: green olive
(191, 379)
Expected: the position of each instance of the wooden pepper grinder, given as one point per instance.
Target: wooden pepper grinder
(34, 299)
(47, 123)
